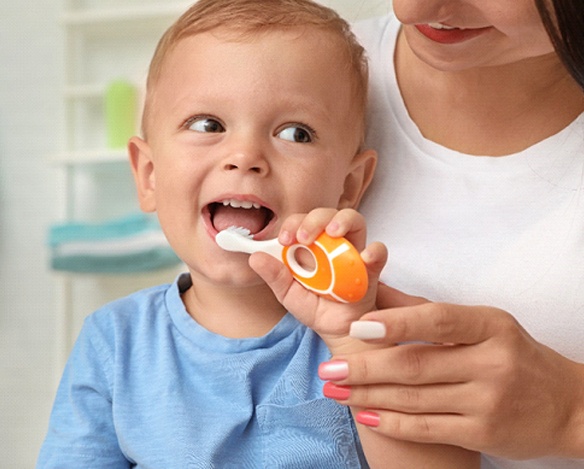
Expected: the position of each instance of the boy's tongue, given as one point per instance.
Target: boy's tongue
(252, 219)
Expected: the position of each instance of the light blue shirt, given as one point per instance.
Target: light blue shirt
(147, 387)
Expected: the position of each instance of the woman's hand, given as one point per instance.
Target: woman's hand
(332, 321)
(472, 378)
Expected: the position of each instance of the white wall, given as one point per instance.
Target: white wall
(30, 130)
(30, 73)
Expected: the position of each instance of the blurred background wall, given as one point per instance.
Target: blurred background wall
(30, 78)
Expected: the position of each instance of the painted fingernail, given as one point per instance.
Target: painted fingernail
(334, 370)
(367, 330)
(370, 419)
(336, 392)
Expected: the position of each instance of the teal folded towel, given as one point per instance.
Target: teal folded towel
(134, 243)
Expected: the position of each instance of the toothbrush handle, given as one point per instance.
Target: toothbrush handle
(339, 273)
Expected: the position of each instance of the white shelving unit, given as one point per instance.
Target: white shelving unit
(105, 40)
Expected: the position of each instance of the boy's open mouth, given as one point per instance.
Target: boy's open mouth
(245, 214)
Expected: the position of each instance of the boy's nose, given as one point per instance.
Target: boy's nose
(250, 160)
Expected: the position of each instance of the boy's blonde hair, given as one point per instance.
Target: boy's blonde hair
(246, 18)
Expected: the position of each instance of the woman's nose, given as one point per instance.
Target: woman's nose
(415, 11)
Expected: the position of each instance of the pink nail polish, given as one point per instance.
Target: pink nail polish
(336, 392)
(370, 419)
(334, 370)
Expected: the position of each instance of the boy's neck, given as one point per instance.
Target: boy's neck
(234, 312)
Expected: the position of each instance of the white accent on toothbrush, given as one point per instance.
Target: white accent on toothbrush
(238, 239)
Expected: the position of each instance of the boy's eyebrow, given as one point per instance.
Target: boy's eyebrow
(186, 105)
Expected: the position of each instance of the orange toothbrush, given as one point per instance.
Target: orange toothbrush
(338, 274)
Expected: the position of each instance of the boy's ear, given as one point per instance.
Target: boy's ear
(143, 171)
(359, 177)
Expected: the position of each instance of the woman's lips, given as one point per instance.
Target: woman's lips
(449, 35)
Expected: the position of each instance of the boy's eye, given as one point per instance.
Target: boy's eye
(205, 125)
(296, 133)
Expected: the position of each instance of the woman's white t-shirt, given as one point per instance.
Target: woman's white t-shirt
(499, 231)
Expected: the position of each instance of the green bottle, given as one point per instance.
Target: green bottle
(121, 110)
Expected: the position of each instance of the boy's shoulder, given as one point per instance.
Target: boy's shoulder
(128, 325)
(141, 301)
(142, 309)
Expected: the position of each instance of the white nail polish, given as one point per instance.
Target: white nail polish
(367, 330)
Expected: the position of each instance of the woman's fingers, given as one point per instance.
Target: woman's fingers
(435, 398)
(440, 323)
(389, 297)
(411, 364)
(457, 429)
(476, 363)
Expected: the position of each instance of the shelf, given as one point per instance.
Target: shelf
(91, 90)
(104, 40)
(88, 91)
(127, 14)
(90, 157)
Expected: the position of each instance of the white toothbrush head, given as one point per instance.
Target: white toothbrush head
(238, 239)
(231, 238)
(240, 230)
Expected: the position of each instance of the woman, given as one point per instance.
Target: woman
(479, 196)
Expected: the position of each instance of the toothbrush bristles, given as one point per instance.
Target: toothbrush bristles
(241, 231)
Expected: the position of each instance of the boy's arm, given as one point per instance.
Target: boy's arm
(81, 430)
(331, 320)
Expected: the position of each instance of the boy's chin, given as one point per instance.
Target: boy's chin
(230, 276)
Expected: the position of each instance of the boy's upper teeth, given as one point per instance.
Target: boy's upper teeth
(440, 26)
(241, 204)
